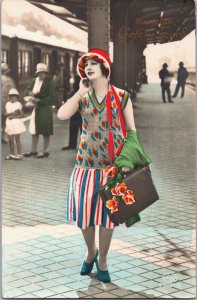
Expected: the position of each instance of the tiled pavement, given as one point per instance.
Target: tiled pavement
(153, 259)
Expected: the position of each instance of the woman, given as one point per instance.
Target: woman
(85, 206)
(42, 88)
(7, 83)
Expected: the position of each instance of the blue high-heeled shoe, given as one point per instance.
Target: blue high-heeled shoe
(102, 275)
(86, 268)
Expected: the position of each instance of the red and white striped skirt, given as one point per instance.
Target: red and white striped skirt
(85, 205)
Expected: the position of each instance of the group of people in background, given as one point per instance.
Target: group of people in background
(166, 78)
(43, 91)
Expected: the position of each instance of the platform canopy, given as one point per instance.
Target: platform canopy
(73, 11)
(160, 21)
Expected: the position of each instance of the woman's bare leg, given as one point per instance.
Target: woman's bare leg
(18, 143)
(105, 236)
(35, 139)
(46, 143)
(89, 236)
(11, 143)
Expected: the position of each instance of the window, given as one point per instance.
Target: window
(24, 64)
(46, 59)
(71, 64)
(20, 64)
(4, 56)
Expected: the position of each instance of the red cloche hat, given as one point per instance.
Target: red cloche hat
(96, 54)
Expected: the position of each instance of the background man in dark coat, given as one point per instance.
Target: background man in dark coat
(181, 80)
(165, 77)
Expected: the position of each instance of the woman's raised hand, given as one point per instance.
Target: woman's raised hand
(84, 87)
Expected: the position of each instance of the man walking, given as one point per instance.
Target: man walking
(165, 77)
(181, 80)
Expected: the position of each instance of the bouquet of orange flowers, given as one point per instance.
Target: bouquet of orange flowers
(119, 192)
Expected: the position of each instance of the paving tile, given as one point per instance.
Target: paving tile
(40, 270)
(36, 279)
(103, 286)
(192, 291)
(79, 285)
(60, 258)
(29, 266)
(105, 295)
(44, 293)
(122, 282)
(151, 284)
(121, 293)
(123, 274)
(51, 275)
(28, 296)
(137, 262)
(150, 275)
(19, 283)
(182, 294)
(167, 290)
(92, 290)
(151, 267)
(18, 262)
(137, 270)
(68, 272)
(62, 288)
(13, 293)
(63, 280)
(47, 283)
(122, 266)
(29, 288)
(57, 296)
(71, 294)
(33, 258)
(191, 281)
(163, 263)
(135, 296)
(47, 254)
(152, 293)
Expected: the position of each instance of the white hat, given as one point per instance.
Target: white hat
(13, 92)
(4, 67)
(41, 68)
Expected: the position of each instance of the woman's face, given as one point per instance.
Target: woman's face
(42, 75)
(93, 69)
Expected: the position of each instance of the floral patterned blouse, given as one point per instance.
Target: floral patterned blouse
(93, 149)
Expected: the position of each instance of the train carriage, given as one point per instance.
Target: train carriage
(22, 50)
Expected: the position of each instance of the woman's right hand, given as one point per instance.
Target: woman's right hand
(84, 86)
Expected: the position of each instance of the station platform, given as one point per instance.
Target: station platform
(155, 258)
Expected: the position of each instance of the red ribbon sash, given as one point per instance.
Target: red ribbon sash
(109, 115)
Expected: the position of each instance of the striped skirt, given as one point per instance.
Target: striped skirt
(85, 206)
